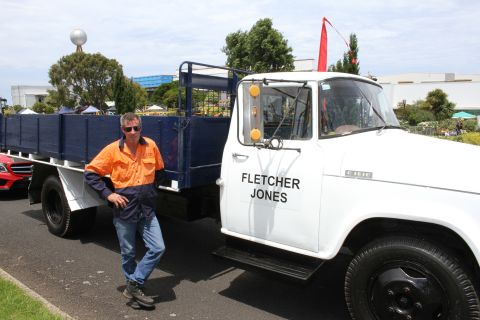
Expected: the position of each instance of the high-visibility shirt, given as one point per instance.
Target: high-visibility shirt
(132, 176)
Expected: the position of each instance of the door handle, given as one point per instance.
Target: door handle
(238, 155)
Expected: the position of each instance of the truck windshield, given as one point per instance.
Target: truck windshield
(348, 105)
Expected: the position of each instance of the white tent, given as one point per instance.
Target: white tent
(155, 108)
(90, 109)
(27, 111)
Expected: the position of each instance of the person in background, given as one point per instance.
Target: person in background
(136, 168)
(459, 127)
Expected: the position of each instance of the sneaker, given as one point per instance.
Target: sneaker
(136, 292)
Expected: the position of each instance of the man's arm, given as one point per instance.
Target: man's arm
(95, 181)
(99, 167)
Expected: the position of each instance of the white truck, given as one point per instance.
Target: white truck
(314, 165)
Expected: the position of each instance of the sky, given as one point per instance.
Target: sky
(151, 37)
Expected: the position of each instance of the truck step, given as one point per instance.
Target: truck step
(298, 269)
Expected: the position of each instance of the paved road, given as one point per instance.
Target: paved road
(82, 275)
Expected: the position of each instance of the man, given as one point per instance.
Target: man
(135, 166)
(459, 127)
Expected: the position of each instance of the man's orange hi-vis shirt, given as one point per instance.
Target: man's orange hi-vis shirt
(132, 176)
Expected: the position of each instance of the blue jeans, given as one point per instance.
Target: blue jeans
(149, 230)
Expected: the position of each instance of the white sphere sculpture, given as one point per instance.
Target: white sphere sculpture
(78, 38)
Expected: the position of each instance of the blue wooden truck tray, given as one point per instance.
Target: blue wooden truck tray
(191, 146)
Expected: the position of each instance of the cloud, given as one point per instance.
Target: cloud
(154, 37)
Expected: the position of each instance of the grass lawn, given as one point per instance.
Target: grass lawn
(17, 305)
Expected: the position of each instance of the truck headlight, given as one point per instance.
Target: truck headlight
(3, 167)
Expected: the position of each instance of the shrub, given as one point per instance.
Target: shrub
(49, 110)
(470, 125)
(470, 137)
(39, 107)
(417, 115)
(17, 108)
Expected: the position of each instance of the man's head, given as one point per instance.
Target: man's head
(131, 125)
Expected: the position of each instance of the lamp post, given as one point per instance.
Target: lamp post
(3, 104)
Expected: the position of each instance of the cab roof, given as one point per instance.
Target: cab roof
(306, 76)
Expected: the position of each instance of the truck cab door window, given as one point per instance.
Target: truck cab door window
(277, 111)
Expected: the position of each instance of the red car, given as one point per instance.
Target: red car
(14, 175)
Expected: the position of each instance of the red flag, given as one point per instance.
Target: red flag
(322, 54)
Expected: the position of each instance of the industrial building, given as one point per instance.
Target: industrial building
(462, 89)
(27, 96)
(149, 83)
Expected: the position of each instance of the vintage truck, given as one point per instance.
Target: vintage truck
(310, 165)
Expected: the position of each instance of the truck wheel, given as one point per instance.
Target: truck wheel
(405, 278)
(60, 220)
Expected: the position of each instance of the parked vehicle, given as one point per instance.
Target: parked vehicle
(14, 175)
(308, 166)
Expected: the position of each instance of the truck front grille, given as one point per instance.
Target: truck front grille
(21, 168)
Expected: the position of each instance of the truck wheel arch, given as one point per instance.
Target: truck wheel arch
(371, 229)
(40, 173)
(61, 221)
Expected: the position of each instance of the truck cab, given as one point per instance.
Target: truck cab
(286, 148)
(316, 164)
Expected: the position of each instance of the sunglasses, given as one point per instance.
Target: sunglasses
(134, 128)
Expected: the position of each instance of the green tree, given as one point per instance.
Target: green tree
(122, 93)
(167, 95)
(39, 107)
(262, 49)
(237, 50)
(439, 104)
(58, 98)
(82, 79)
(349, 63)
(118, 88)
(141, 96)
(49, 109)
(127, 94)
(17, 108)
(158, 94)
(170, 98)
(415, 113)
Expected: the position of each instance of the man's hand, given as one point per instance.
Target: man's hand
(118, 200)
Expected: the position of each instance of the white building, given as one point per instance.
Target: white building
(304, 65)
(27, 96)
(462, 89)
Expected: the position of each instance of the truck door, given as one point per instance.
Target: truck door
(274, 175)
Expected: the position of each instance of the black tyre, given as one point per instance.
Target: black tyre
(60, 220)
(405, 278)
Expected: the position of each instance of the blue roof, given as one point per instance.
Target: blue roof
(152, 81)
